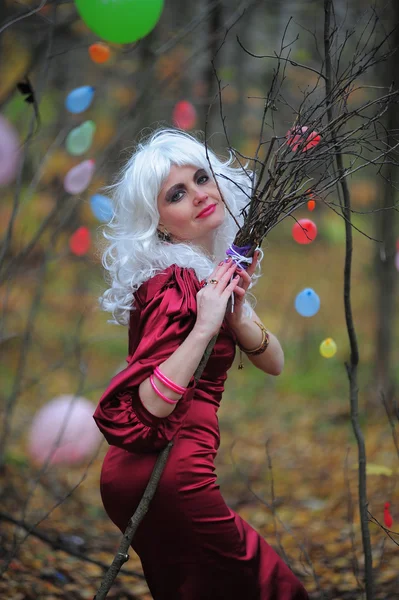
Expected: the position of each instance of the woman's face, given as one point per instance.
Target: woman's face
(190, 206)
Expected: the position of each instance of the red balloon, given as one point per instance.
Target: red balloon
(299, 137)
(184, 115)
(388, 520)
(304, 231)
(79, 242)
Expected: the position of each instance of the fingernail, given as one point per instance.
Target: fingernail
(228, 259)
(239, 269)
(221, 263)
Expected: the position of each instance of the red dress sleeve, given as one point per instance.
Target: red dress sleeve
(165, 315)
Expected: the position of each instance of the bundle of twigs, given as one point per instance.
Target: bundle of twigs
(287, 171)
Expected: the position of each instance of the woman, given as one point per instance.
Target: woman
(171, 283)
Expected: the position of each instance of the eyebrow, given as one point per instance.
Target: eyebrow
(178, 186)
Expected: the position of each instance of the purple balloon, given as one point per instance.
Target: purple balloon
(10, 153)
(78, 178)
(64, 432)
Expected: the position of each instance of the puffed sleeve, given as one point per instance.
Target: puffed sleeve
(165, 315)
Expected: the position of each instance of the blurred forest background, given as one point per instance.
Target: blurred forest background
(288, 460)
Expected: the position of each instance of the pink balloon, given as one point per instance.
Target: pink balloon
(10, 152)
(64, 432)
(184, 115)
(78, 178)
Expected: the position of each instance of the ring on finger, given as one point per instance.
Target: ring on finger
(213, 281)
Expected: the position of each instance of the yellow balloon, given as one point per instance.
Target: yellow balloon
(328, 348)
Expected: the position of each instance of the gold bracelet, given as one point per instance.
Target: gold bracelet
(260, 349)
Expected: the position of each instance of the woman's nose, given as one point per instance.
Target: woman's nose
(200, 196)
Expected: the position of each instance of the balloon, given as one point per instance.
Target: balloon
(101, 207)
(79, 242)
(311, 205)
(78, 178)
(397, 261)
(388, 520)
(10, 154)
(304, 231)
(120, 21)
(328, 348)
(184, 115)
(63, 431)
(298, 137)
(307, 303)
(79, 99)
(99, 52)
(79, 139)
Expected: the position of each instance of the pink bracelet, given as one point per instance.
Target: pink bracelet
(160, 394)
(168, 382)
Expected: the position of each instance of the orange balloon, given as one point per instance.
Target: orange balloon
(99, 52)
(311, 205)
(79, 242)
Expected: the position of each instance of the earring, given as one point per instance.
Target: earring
(164, 236)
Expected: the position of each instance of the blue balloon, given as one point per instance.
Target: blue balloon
(307, 303)
(101, 207)
(79, 99)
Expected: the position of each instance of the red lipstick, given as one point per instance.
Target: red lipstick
(207, 211)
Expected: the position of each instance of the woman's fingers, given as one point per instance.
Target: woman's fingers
(232, 285)
(240, 291)
(222, 275)
(225, 271)
(225, 278)
(245, 278)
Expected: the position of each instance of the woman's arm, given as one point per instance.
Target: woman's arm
(249, 335)
(179, 367)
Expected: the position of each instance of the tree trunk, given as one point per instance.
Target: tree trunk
(385, 272)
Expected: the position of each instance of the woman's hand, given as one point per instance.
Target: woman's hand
(236, 317)
(213, 298)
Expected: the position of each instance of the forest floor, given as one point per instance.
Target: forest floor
(295, 484)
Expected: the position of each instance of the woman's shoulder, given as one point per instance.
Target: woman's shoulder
(174, 278)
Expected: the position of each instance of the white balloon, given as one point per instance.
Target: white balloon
(64, 431)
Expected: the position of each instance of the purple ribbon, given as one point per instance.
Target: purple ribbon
(241, 250)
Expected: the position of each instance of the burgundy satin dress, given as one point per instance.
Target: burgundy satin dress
(191, 545)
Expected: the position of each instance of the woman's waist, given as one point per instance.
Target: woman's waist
(209, 392)
(203, 409)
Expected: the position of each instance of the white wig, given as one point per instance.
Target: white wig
(135, 251)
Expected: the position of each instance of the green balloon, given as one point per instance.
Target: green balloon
(120, 21)
(79, 140)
